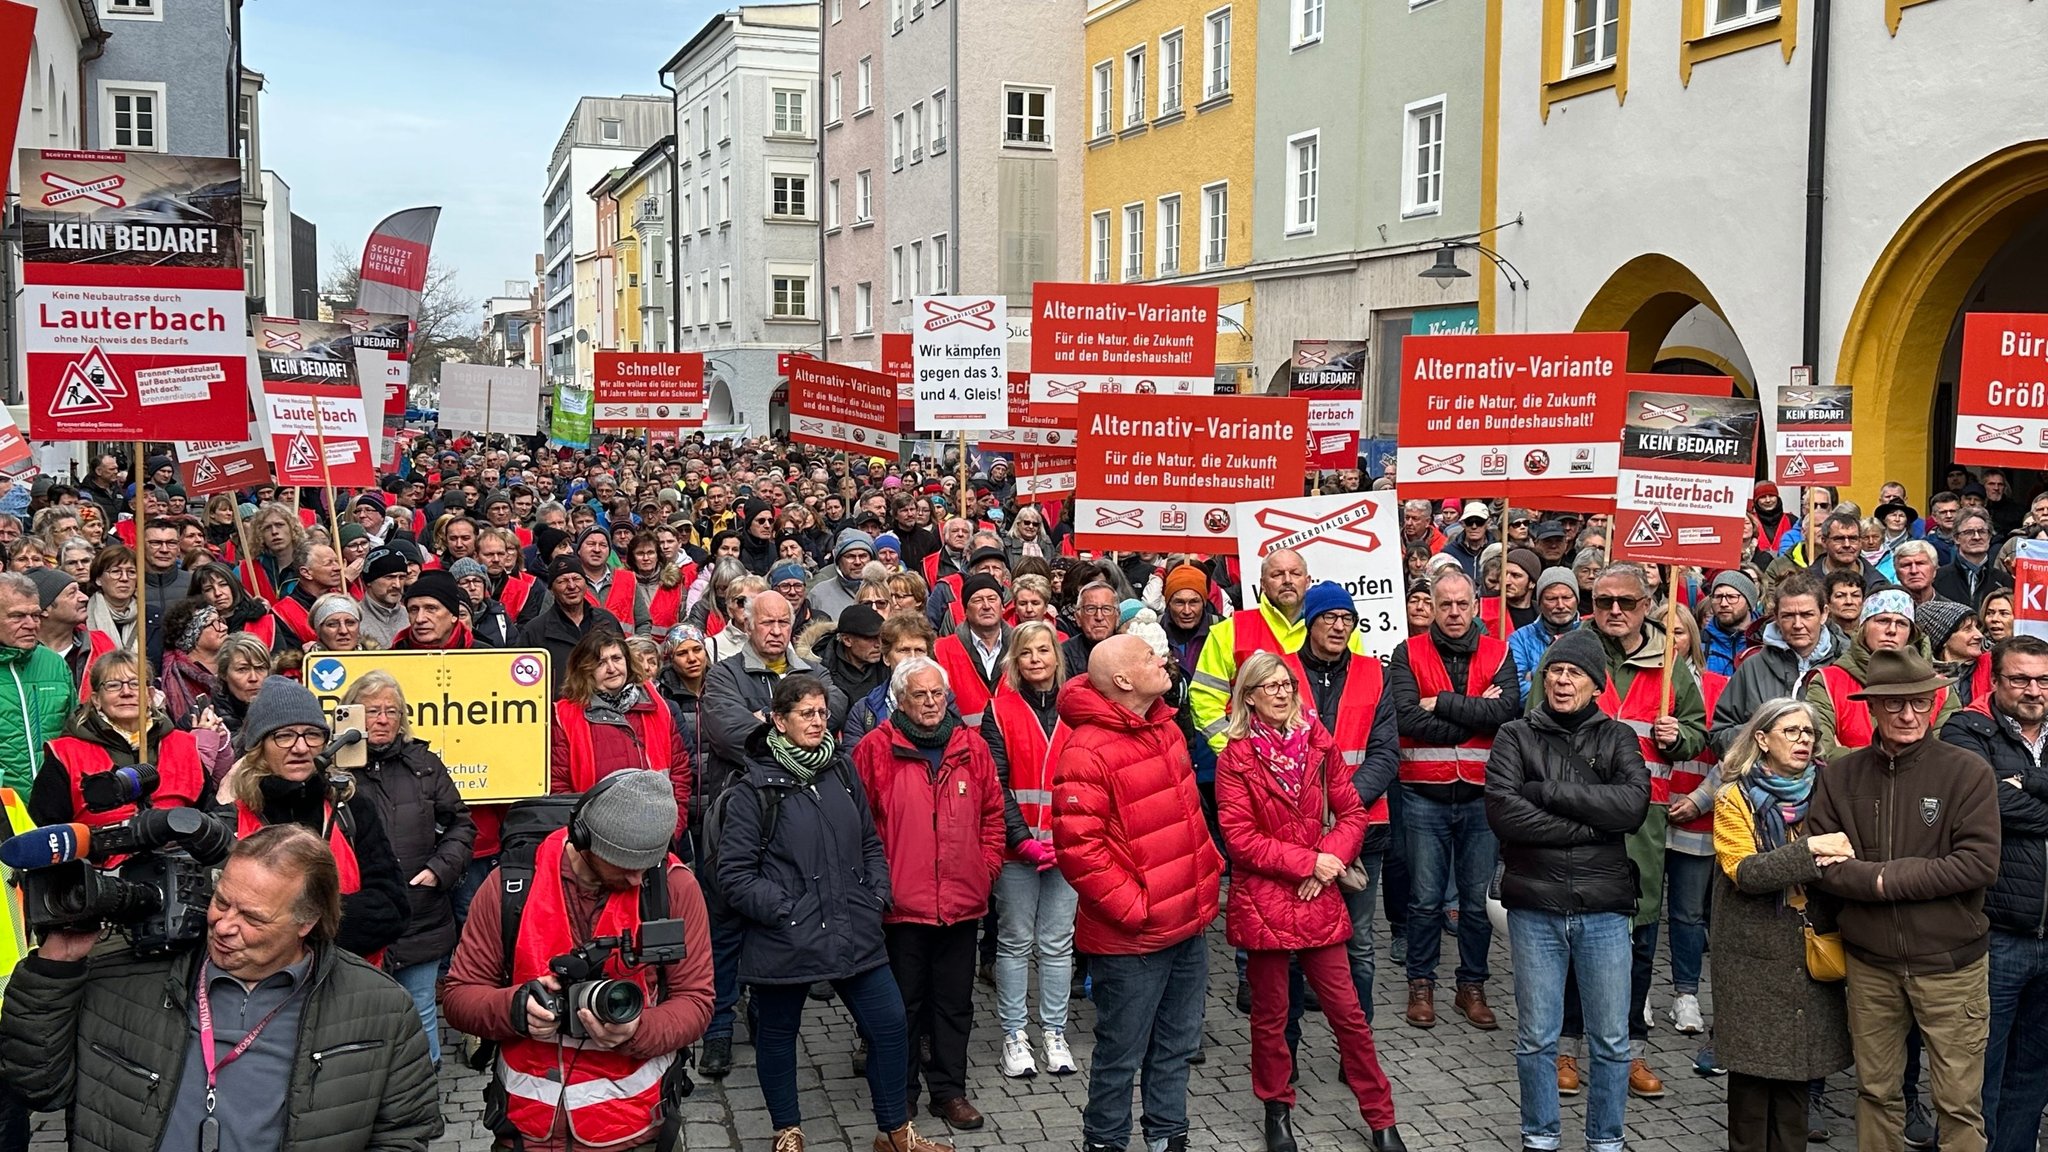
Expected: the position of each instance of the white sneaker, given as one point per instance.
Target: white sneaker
(1649, 1016)
(1058, 1060)
(1017, 1062)
(1685, 1015)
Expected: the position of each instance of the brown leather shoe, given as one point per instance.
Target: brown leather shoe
(906, 1139)
(958, 1113)
(790, 1139)
(1567, 1075)
(1643, 1082)
(1471, 1004)
(1422, 1003)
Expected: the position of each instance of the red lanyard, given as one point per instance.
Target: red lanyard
(207, 1055)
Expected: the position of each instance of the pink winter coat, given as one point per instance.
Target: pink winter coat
(1273, 841)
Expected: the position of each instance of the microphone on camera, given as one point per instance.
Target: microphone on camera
(46, 846)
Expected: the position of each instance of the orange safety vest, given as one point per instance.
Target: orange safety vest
(1686, 775)
(618, 600)
(1852, 717)
(1360, 700)
(656, 739)
(1433, 763)
(1639, 711)
(248, 823)
(1028, 749)
(606, 1099)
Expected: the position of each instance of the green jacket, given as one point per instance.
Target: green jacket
(36, 695)
(1647, 843)
(104, 1040)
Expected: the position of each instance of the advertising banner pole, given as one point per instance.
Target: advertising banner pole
(326, 479)
(1670, 649)
(964, 514)
(141, 613)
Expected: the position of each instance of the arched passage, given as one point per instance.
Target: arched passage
(1646, 298)
(1897, 341)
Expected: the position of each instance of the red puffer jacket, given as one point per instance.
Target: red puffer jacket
(1273, 840)
(1127, 824)
(943, 833)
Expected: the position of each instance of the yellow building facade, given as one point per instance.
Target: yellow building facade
(1167, 92)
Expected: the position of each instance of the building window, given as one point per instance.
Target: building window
(609, 131)
(725, 115)
(725, 294)
(938, 121)
(789, 195)
(838, 10)
(789, 112)
(1308, 21)
(133, 9)
(1303, 160)
(704, 117)
(689, 299)
(1134, 241)
(831, 204)
(1169, 235)
(1216, 225)
(704, 297)
(864, 85)
(252, 268)
(832, 312)
(896, 15)
(942, 270)
(133, 117)
(1098, 247)
(1422, 176)
(704, 205)
(789, 296)
(1592, 34)
(1105, 89)
(896, 274)
(683, 221)
(917, 132)
(863, 198)
(725, 197)
(916, 263)
(863, 307)
(1171, 49)
(1216, 53)
(833, 105)
(1027, 116)
(1732, 13)
(896, 143)
(1134, 87)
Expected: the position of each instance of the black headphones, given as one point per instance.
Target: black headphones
(579, 836)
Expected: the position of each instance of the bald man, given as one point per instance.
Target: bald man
(1129, 836)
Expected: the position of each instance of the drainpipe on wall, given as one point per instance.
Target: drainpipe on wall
(823, 294)
(953, 104)
(1816, 183)
(675, 183)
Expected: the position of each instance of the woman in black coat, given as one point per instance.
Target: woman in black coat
(799, 859)
(431, 834)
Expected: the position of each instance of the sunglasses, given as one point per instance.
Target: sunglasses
(1621, 603)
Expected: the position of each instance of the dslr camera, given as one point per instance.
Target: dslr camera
(150, 875)
(580, 974)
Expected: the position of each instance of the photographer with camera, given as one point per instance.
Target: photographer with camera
(282, 777)
(611, 922)
(100, 736)
(267, 1038)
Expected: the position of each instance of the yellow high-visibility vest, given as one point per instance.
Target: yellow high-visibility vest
(13, 940)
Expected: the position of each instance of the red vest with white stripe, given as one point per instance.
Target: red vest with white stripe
(1028, 749)
(666, 608)
(654, 730)
(1434, 763)
(1638, 710)
(618, 599)
(607, 1099)
(1686, 775)
(1852, 717)
(1360, 700)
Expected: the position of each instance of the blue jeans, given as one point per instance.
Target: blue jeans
(2016, 1058)
(877, 1007)
(473, 878)
(1034, 913)
(418, 980)
(1687, 879)
(1360, 949)
(1598, 944)
(1148, 1013)
(1441, 837)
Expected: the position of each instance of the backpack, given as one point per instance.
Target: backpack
(714, 825)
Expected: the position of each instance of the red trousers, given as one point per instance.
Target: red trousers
(1328, 971)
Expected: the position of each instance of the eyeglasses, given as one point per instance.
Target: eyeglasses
(2017, 682)
(928, 696)
(873, 601)
(1973, 533)
(384, 712)
(1340, 619)
(1098, 610)
(1797, 732)
(310, 737)
(812, 714)
(121, 686)
(1618, 603)
(1897, 704)
(1276, 688)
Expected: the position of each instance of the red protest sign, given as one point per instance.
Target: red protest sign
(1534, 416)
(835, 406)
(898, 364)
(209, 466)
(2030, 595)
(1165, 473)
(1813, 443)
(310, 406)
(2002, 390)
(1043, 430)
(17, 40)
(1687, 468)
(656, 390)
(1045, 479)
(14, 451)
(1121, 338)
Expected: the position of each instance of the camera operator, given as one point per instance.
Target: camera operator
(280, 779)
(586, 884)
(100, 736)
(309, 1045)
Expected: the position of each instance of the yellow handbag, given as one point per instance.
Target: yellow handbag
(1825, 959)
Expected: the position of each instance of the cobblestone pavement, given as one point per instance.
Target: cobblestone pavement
(1454, 1086)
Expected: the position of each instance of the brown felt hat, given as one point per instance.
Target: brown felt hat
(1899, 672)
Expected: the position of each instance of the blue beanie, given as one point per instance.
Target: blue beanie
(788, 570)
(888, 540)
(1128, 611)
(1325, 596)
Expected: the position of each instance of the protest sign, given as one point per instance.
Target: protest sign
(209, 466)
(959, 362)
(1353, 540)
(1043, 479)
(1813, 441)
(896, 357)
(1165, 473)
(1030, 431)
(1331, 374)
(2002, 391)
(311, 408)
(571, 422)
(393, 274)
(1687, 468)
(132, 305)
(485, 712)
(1121, 338)
(1527, 416)
(654, 390)
(15, 457)
(488, 399)
(834, 406)
(2030, 589)
(383, 370)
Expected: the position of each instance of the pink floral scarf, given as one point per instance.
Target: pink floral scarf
(1285, 754)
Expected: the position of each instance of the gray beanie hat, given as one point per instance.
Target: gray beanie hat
(466, 567)
(851, 539)
(280, 702)
(631, 824)
(1552, 576)
(1580, 647)
(1739, 580)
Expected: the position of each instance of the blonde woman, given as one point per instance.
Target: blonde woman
(1279, 780)
(275, 533)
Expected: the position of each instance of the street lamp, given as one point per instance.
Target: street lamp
(1445, 268)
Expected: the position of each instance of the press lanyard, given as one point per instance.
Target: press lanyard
(207, 1055)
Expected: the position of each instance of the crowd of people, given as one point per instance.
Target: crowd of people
(834, 727)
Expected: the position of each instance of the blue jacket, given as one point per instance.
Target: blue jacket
(1723, 648)
(1527, 645)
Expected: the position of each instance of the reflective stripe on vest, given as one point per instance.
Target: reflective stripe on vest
(606, 1098)
(1639, 711)
(1852, 717)
(665, 609)
(655, 737)
(1356, 707)
(1028, 749)
(1688, 775)
(1434, 763)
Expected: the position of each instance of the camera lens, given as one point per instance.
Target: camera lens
(611, 1001)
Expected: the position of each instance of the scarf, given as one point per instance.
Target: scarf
(100, 616)
(611, 707)
(802, 763)
(1464, 645)
(202, 619)
(930, 739)
(1779, 802)
(1285, 754)
(1572, 721)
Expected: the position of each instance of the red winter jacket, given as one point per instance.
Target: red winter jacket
(1273, 840)
(1127, 823)
(943, 833)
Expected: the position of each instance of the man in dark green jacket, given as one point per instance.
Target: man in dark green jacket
(36, 691)
(337, 1063)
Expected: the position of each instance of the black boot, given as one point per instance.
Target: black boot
(1279, 1127)
(1244, 996)
(716, 1059)
(1388, 1139)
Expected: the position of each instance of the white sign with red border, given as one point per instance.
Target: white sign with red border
(1352, 539)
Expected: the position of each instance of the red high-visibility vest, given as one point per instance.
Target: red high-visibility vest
(655, 729)
(1686, 775)
(1363, 683)
(248, 823)
(1028, 749)
(1853, 728)
(1433, 763)
(1638, 710)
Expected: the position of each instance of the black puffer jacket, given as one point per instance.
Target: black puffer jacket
(374, 916)
(429, 828)
(2018, 899)
(1563, 803)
